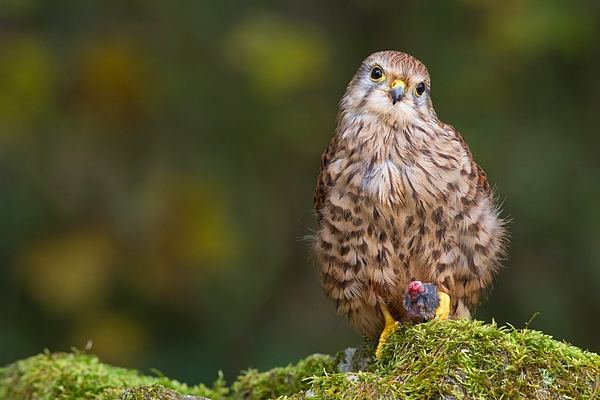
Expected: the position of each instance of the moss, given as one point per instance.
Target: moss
(156, 392)
(437, 360)
(281, 381)
(81, 376)
(468, 360)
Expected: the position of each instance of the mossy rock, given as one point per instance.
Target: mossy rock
(467, 360)
(76, 375)
(435, 360)
(82, 376)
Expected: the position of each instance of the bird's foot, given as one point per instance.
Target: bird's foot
(390, 324)
(443, 310)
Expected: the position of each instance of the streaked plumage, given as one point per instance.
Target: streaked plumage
(399, 198)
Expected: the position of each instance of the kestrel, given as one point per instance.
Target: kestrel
(399, 199)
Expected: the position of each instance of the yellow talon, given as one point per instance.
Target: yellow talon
(443, 311)
(390, 324)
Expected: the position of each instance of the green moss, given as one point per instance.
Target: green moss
(469, 360)
(78, 375)
(281, 381)
(154, 392)
(439, 359)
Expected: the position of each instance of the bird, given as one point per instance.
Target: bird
(399, 199)
(422, 302)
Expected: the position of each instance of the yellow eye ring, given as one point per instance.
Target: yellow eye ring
(377, 74)
(420, 89)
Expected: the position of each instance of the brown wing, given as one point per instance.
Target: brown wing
(490, 239)
(482, 181)
(324, 181)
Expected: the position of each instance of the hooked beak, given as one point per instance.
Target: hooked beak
(397, 90)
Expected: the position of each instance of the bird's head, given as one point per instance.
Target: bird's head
(390, 87)
(415, 289)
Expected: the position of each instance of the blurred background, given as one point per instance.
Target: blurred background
(158, 159)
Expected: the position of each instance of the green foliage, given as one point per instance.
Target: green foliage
(439, 359)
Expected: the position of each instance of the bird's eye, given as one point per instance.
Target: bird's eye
(420, 89)
(377, 74)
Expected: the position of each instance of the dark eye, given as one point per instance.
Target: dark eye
(420, 88)
(377, 74)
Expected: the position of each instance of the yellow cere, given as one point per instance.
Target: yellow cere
(397, 83)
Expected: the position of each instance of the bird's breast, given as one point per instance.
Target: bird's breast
(402, 167)
(384, 181)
